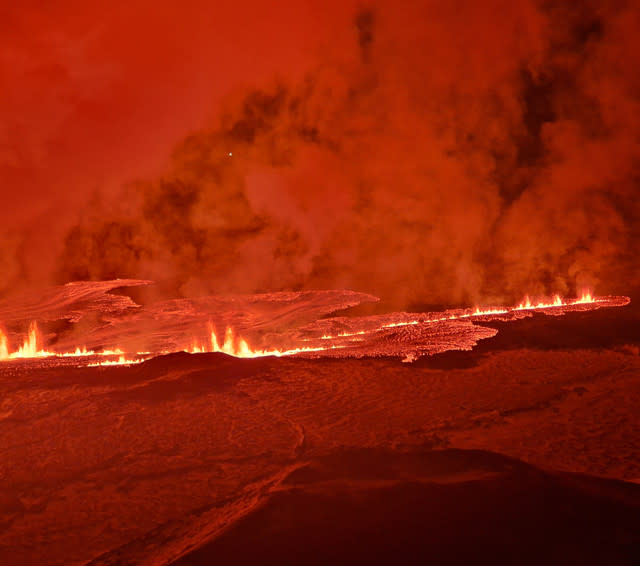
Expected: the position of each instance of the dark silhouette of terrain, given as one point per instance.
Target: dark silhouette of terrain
(432, 507)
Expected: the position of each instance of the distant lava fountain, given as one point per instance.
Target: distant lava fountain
(4, 346)
(239, 348)
(30, 349)
(585, 299)
(354, 342)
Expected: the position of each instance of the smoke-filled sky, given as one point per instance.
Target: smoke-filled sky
(422, 151)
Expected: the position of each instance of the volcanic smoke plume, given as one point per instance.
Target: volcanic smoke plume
(424, 152)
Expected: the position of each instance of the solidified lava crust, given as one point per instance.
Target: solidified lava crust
(200, 458)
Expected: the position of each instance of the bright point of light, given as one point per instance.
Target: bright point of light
(230, 154)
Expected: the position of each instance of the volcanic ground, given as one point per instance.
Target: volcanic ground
(524, 449)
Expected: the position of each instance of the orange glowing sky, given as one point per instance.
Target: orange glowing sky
(429, 152)
(96, 93)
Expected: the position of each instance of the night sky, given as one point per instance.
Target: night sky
(453, 152)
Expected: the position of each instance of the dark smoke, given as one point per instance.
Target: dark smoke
(446, 152)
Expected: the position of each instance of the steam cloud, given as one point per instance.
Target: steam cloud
(453, 152)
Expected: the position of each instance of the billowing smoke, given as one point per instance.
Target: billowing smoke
(421, 151)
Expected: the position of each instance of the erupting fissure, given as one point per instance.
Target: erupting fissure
(585, 299)
(121, 361)
(31, 349)
(237, 346)
(4, 347)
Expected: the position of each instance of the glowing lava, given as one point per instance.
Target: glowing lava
(392, 334)
(526, 305)
(4, 347)
(29, 348)
(239, 348)
(121, 361)
(585, 299)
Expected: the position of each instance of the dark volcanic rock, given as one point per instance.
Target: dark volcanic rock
(444, 507)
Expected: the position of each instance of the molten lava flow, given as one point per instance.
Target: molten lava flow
(526, 305)
(115, 352)
(404, 334)
(78, 353)
(481, 312)
(121, 361)
(4, 346)
(239, 347)
(585, 298)
(348, 334)
(31, 349)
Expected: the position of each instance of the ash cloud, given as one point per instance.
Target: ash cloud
(425, 153)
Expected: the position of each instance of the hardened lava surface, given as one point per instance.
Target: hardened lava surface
(524, 449)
